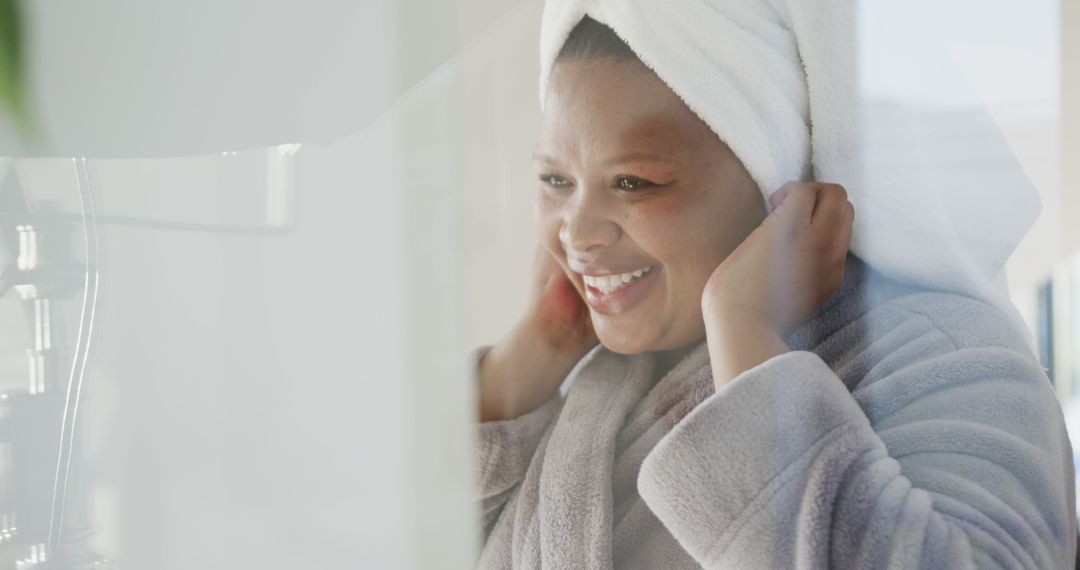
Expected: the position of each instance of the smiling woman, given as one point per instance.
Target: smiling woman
(631, 179)
(739, 390)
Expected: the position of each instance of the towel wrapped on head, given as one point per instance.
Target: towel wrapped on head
(736, 64)
(776, 81)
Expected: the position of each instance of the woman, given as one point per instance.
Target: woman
(737, 412)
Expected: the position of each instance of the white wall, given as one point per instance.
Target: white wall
(501, 68)
(294, 397)
(1070, 123)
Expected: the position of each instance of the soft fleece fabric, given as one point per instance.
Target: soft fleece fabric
(905, 429)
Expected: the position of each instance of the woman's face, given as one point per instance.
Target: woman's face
(639, 201)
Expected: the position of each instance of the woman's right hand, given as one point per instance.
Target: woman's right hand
(556, 310)
(526, 367)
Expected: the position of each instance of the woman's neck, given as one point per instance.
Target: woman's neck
(667, 359)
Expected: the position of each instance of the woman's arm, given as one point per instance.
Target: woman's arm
(504, 449)
(940, 444)
(518, 387)
(777, 278)
(956, 459)
(518, 382)
(527, 366)
(518, 390)
(520, 373)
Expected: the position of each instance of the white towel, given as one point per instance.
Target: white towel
(776, 80)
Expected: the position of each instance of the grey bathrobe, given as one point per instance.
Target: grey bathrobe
(905, 429)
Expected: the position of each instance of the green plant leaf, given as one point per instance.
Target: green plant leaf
(12, 95)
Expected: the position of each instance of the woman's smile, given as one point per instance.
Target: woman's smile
(618, 293)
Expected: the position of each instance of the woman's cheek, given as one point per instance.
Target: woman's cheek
(660, 218)
(685, 233)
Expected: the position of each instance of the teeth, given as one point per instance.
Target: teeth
(608, 283)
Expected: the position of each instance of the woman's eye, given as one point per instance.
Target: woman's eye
(553, 180)
(631, 183)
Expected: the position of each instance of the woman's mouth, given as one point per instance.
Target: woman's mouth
(617, 293)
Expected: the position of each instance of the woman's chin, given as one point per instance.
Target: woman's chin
(622, 348)
(621, 343)
(635, 338)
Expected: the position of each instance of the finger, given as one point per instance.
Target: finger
(845, 226)
(830, 205)
(849, 226)
(839, 233)
(800, 201)
(777, 197)
(831, 224)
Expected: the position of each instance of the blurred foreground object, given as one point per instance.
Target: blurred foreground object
(270, 389)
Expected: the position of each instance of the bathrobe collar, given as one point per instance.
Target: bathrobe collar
(576, 499)
(575, 491)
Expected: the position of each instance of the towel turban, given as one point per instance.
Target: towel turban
(776, 81)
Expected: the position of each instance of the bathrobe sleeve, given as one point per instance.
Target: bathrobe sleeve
(504, 450)
(958, 459)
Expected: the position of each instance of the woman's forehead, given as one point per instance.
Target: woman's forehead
(620, 104)
(621, 138)
(606, 84)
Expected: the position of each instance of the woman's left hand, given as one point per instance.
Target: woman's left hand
(778, 277)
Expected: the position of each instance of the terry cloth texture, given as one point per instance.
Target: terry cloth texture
(905, 429)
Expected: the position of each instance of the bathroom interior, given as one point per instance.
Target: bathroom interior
(247, 247)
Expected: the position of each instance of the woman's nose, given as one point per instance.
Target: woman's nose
(588, 225)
